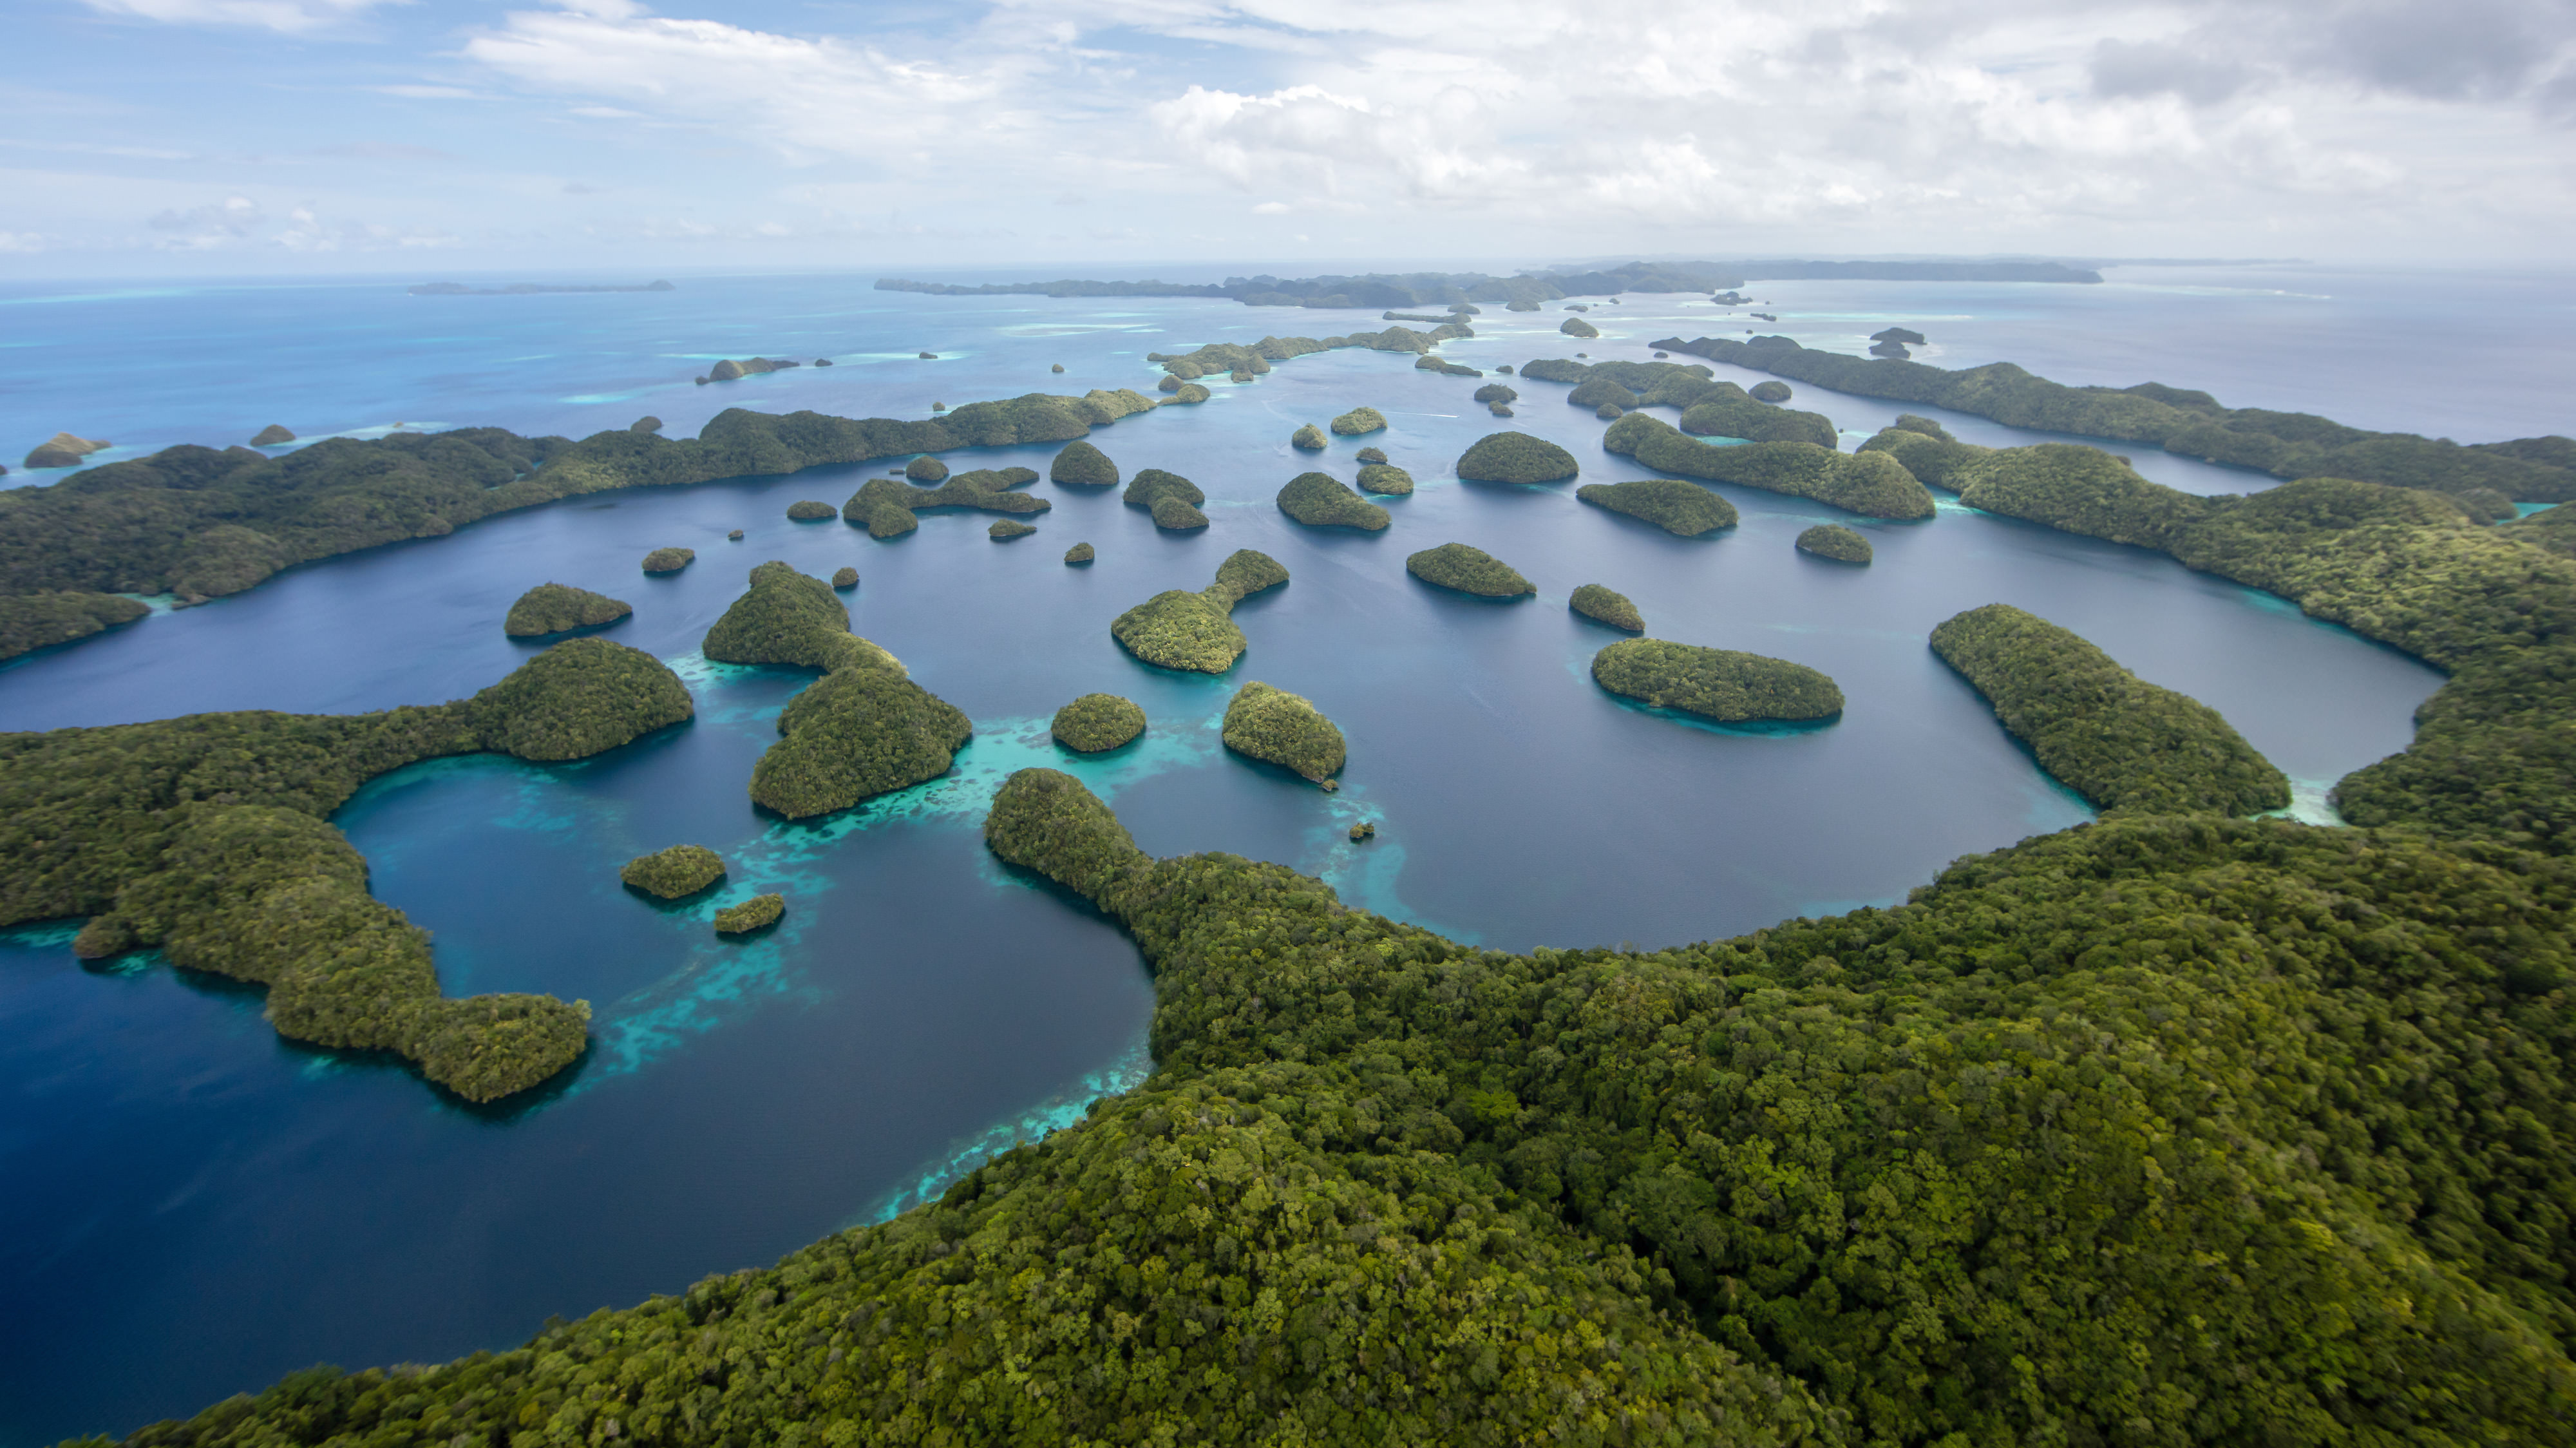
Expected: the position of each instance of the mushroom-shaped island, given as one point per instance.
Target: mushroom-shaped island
(1174, 516)
(1320, 500)
(757, 913)
(1359, 421)
(551, 608)
(1774, 391)
(1602, 605)
(1468, 570)
(275, 435)
(1078, 554)
(1720, 684)
(673, 873)
(1281, 728)
(1082, 465)
(1385, 478)
(1177, 629)
(1577, 327)
(926, 469)
(1834, 541)
(1309, 438)
(1515, 457)
(1097, 722)
(1684, 509)
(669, 560)
(845, 577)
(1006, 529)
(810, 510)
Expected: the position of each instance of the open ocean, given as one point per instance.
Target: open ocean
(197, 1206)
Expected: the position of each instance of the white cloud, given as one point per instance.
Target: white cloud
(289, 16)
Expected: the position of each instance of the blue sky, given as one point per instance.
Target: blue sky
(284, 136)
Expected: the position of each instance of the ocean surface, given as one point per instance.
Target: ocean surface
(196, 1206)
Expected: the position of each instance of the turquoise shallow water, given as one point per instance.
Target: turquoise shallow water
(212, 1206)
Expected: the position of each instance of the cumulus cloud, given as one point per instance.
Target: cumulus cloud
(288, 16)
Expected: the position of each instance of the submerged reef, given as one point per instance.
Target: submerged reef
(1515, 457)
(1720, 684)
(1320, 500)
(554, 608)
(1832, 540)
(2105, 733)
(862, 729)
(1359, 420)
(670, 874)
(1097, 722)
(1685, 509)
(1871, 483)
(206, 837)
(1601, 605)
(1468, 570)
(1177, 629)
(1385, 478)
(1083, 465)
(1281, 728)
(757, 913)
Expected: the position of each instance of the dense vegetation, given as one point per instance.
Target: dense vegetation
(1359, 420)
(1320, 500)
(925, 469)
(671, 874)
(844, 577)
(1873, 484)
(1096, 722)
(1083, 465)
(1386, 478)
(1577, 327)
(1602, 605)
(1708, 408)
(862, 729)
(1171, 513)
(757, 913)
(1721, 684)
(555, 607)
(2285, 444)
(2551, 528)
(41, 620)
(1177, 629)
(2109, 735)
(1686, 509)
(1284, 729)
(1834, 541)
(1152, 485)
(1770, 392)
(1004, 530)
(669, 560)
(1468, 570)
(204, 837)
(1079, 553)
(1515, 457)
(1308, 438)
(889, 509)
(201, 522)
(809, 510)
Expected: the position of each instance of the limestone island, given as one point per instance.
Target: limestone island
(1079, 553)
(671, 874)
(1385, 478)
(1686, 510)
(1515, 457)
(888, 509)
(1371, 455)
(1468, 570)
(810, 510)
(30, 621)
(1173, 515)
(551, 608)
(1006, 529)
(1871, 483)
(1152, 485)
(1577, 327)
(1309, 438)
(275, 435)
(1720, 684)
(1601, 605)
(1358, 421)
(845, 578)
(1772, 392)
(862, 729)
(1281, 728)
(645, 424)
(1082, 465)
(925, 469)
(1177, 629)
(1496, 392)
(669, 560)
(2105, 733)
(757, 913)
(1320, 500)
(1097, 722)
(63, 450)
(1834, 541)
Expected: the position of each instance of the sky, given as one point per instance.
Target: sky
(1074, 137)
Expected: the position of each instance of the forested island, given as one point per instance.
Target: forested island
(1178, 629)
(1416, 289)
(205, 837)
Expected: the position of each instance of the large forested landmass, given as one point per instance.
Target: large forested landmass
(2285, 444)
(41, 620)
(1727, 685)
(204, 837)
(1873, 484)
(200, 522)
(1418, 289)
(1178, 629)
(862, 729)
(2109, 735)
(2161, 1131)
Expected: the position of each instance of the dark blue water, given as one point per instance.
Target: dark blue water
(199, 1206)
